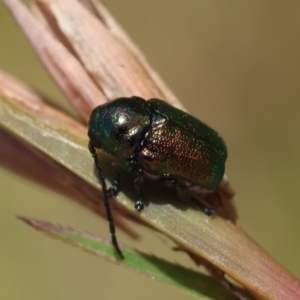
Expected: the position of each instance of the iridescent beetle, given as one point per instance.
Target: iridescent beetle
(157, 140)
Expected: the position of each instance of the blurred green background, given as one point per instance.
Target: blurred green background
(234, 65)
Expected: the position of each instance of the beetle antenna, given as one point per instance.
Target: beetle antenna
(110, 219)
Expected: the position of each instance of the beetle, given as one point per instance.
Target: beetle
(159, 141)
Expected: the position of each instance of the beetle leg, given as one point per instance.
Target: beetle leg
(119, 168)
(205, 209)
(114, 188)
(185, 196)
(138, 183)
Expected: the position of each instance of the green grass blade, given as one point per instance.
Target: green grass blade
(189, 281)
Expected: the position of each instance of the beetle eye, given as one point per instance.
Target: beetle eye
(123, 136)
(121, 132)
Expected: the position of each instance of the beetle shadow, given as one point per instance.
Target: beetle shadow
(153, 191)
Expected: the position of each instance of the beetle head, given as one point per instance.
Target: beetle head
(119, 126)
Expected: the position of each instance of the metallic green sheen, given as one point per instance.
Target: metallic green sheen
(183, 147)
(118, 126)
